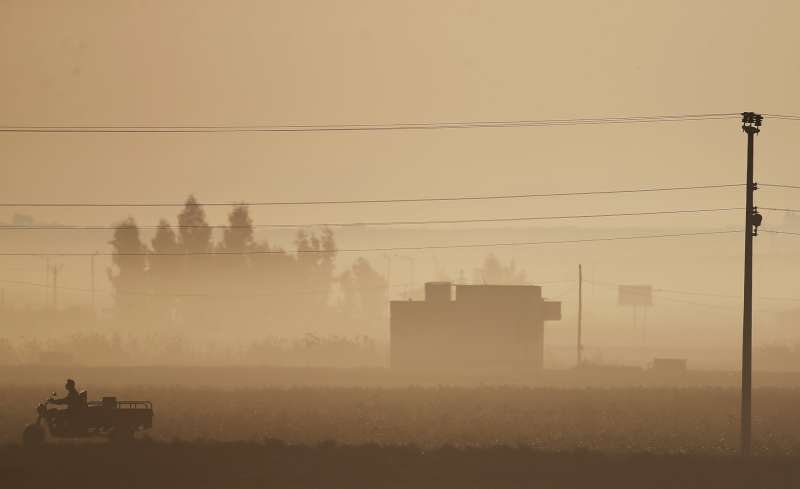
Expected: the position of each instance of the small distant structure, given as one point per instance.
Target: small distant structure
(471, 326)
(637, 297)
(669, 365)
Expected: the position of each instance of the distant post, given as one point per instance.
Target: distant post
(46, 283)
(580, 313)
(636, 296)
(91, 271)
(751, 123)
(56, 271)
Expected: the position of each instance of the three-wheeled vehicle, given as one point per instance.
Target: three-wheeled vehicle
(118, 420)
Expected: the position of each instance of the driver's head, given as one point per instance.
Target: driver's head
(70, 385)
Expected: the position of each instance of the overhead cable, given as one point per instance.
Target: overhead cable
(394, 126)
(373, 201)
(386, 249)
(370, 223)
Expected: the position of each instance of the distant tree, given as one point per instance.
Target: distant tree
(350, 302)
(327, 260)
(128, 273)
(195, 233)
(289, 290)
(371, 289)
(235, 272)
(316, 256)
(315, 261)
(493, 271)
(239, 234)
(236, 238)
(198, 274)
(271, 268)
(164, 270)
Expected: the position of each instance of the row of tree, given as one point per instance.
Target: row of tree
(184, 276)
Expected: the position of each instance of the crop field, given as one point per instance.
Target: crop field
(616, 420)
(420, 437)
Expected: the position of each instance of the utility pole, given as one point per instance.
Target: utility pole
(580, 313)
(94, 308)
(46, 283)
(56, 270)
(751, 123)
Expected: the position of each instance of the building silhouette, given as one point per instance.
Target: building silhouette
(471, 327)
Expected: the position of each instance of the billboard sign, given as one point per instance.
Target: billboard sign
(635, 295)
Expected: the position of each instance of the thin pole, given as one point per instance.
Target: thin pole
(46, 281)
(747, 319)
(580, 314)
(56, 270)
(94, 307)
(750, 126)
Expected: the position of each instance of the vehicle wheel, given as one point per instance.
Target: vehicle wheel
(33, 435)
(122, 435)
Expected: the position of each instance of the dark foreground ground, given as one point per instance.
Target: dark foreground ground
(274, 464)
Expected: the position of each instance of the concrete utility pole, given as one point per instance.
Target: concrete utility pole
(751, 123)
(56, 271)
(94, 308)
(580, 313)
(46, 282)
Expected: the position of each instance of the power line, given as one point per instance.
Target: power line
(191, 294)
(776, 185)
(386, 249)
(727, 296)
(778, 209)
(374, 201)
(376, 223)
(701, 294)
(158, 293)
(787, 233)
(669, 299)
(788, 117)
(362, 127)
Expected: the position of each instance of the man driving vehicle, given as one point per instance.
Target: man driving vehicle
(72, 400)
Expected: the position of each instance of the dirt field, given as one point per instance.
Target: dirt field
(618, 420)
(249, 465)
(338, 428)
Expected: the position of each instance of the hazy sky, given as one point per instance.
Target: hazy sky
(271, 62)
(347, 62)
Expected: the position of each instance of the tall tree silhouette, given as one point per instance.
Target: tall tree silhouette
(371, 288)
(316, 256)
(272, 287)
(198, 277)
(239, 235)
(235, 272)
(195, 234)
(128, 273)
(164, 271)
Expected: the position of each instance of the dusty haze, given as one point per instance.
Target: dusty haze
(242, 326)
(251, 63)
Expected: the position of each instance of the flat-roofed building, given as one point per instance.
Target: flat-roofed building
(471, 327)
